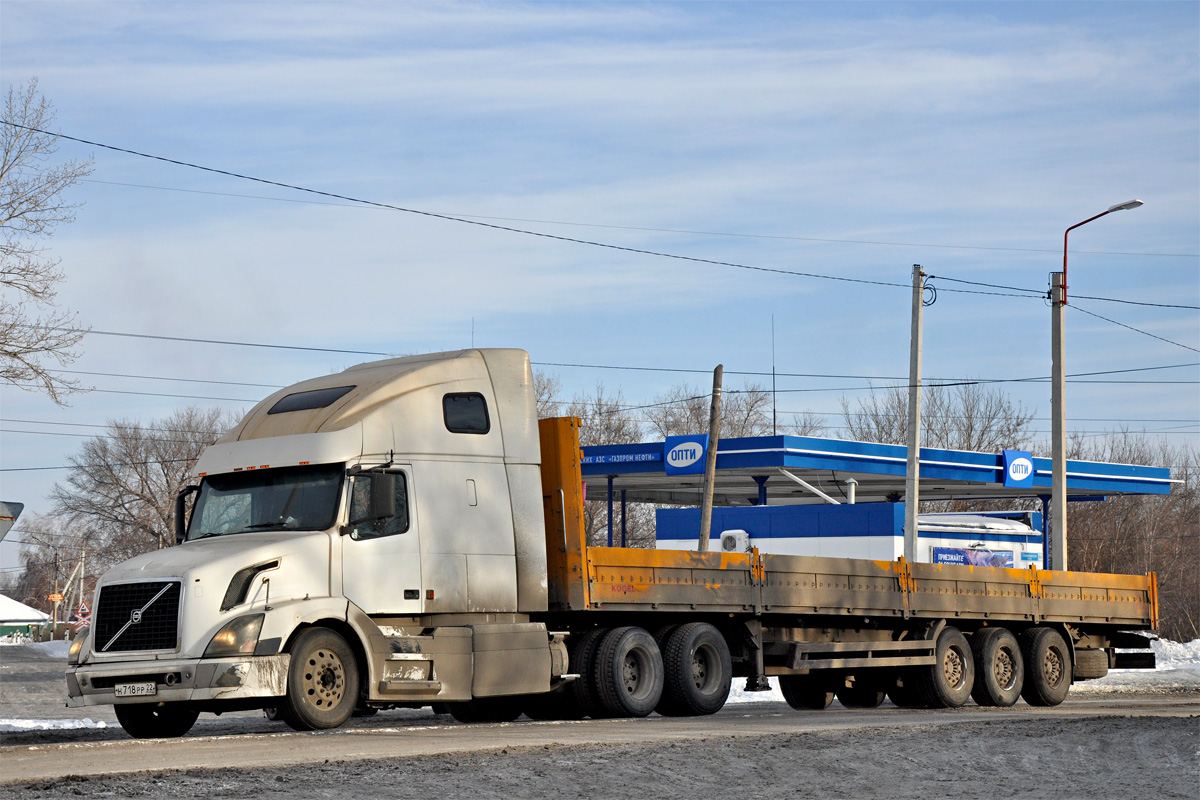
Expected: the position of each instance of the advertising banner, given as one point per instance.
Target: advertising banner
(977, 557)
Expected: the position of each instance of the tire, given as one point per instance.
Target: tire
(806, 693)
(271, 713)
(903, 692)
(551, 705)
(661, 634)
(580, 699)
(866, 694)
(1089, 665)
(697, 671)
(322, 682)
(629, 673)
(1047, 667)
(487, 709)
(999, 668)
(947, 683)
(156, 720)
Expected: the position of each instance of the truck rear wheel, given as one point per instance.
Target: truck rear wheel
(698, 671)
(580, 699)
(156, 720)
(999, 668)
(629, 673)
(1047, 667)
(867, 693)
(947, 683)
(322, 686)
(806, 693)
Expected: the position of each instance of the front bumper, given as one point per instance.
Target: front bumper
(181, 680)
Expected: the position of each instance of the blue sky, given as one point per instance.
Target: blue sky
(968, 135)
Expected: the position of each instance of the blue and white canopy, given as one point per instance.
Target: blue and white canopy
(758, 470)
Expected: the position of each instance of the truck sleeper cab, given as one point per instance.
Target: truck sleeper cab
(407, 533)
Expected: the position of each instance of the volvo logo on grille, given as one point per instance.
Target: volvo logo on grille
(136, 616)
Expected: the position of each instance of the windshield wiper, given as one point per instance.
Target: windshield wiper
(264, 525)
(206, 535)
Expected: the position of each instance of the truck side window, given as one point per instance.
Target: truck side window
(360, 497)
(466, 413)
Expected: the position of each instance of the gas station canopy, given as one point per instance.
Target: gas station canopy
(792, 470)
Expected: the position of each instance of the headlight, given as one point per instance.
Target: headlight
(76, 648)
(238, 638)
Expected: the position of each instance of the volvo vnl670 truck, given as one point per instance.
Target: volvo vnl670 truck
(408, 533)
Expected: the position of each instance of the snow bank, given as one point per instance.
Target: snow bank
(1177, 668)
(49, 724)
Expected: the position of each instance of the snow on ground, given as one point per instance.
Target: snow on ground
(1177, 667)
(49, 724)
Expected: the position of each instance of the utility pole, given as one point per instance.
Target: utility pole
(912, 474)
(710, 459)
(54, 613)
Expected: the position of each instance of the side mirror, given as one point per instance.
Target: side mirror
(181, 513)
(381, 502)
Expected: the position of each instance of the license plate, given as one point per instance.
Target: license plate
(136, 689)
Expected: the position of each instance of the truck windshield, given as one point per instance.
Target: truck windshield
(286, 498)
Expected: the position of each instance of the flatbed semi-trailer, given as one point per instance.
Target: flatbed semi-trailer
(408, 533)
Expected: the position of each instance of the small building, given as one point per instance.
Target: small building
(19, 618)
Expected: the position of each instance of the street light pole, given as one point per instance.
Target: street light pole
(1057, 557)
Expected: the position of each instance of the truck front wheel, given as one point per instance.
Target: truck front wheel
(322, 687)
(156, 720)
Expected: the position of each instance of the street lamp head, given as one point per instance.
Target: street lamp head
(1125, 206)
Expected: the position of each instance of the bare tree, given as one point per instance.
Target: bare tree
(51, 549)
(546, 391)
(31, 207)
(123, 484)
(965, 417)
(1144, 533)
(605, 420)
(684, 410)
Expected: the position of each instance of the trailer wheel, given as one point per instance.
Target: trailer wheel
(903, 691)
(698, 671)
(629, 673)
(1047, 667)
(156, 720)
(864, 694)
(999, 668)
(805, 693)
(322, 682)
(948, 682)
(580, 699)
(486, 709)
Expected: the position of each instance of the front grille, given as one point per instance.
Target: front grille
(157, 622)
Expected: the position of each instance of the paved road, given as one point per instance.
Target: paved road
(265, 745)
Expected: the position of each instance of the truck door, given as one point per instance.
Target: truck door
(381, 560)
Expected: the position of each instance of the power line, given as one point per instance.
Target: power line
(1045, 294)
(149, 394)
(463, 220)
(647, 229)
(1135, 330)
(163, 378)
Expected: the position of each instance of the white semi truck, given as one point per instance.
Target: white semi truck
(408, 533)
